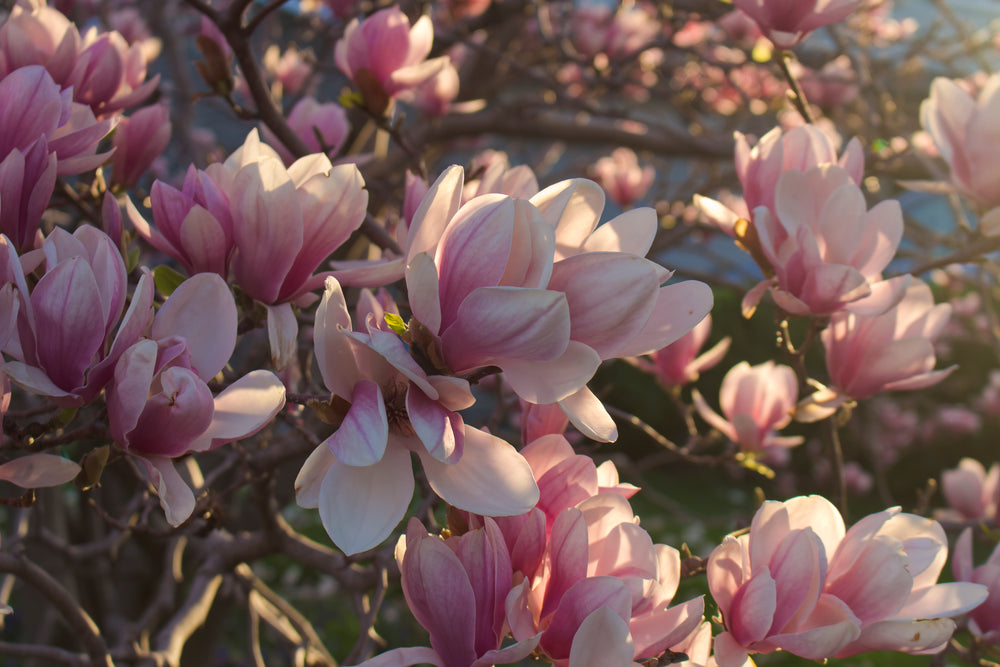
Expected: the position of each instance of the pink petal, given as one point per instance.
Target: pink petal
(201, 301)
(679, 307)
(361, 438)
(589, 415)
(546, 382)
(435, 212)
(491, 478)
(602, 640)
(176, 497)
(242, 409)
(34, 471)
(282, 334)
(310, 478)
(440, 430)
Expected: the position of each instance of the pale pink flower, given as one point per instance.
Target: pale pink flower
(984, 620)
(129, 22)
(972, 492)
(138, 141)
(322, 127)
(966, 132)
(826, 248)
(435, 96)
(456, 589)
(104, 72)
(833, 85)
(886, 569)
(757, 401)
(360, 478)
(788, 22)
(383, 55)
(622, 178)
(759, 167)
(679, 363)
(287, 67)
(890, 351)
(159, 404)
(799, 582)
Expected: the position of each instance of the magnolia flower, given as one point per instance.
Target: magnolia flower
(159, 404)
(889, 351)
(622, 178)
(756, 401)
(679, 363)
(138, 140)
(972, 492)
(788, 23)
(799, 582)
(964, 131)
(100, 68)
(984, 620)
(323, 128)
(360, 477)
(827, 250)
(384, 56)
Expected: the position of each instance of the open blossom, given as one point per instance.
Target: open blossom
(383, 55)
(360, 477)
(788, 23)
(964, 129)
(972, 492)
(799, 582)
(757, 401)
(281, 224)
(67, 345)
(159, 404)
(679, 363)
(103, 71)
(826, 248)
(892, 350)
(456, 588)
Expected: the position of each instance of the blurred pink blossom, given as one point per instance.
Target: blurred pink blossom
(323, 127)
(984, 620)
(788, 22)
(972, 492)
(288, 68)
(622, 178)
(757, 401)
(679, 363)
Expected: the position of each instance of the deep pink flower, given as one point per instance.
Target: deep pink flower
(159, 404)
(138, 140)
(104, 72)
(384, 56)
(360, 478)
(788, 22)
(27, 181)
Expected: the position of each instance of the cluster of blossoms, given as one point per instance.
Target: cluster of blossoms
(488, 279)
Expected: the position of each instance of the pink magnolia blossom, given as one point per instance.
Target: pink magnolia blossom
(282, 223)
(756, 401)
(383, 55)
(679, 363)
(759, 167)
(360, 477)
(456, 589)
(103, 71)
(287, 67)
(984, 620)
(788, 22)
(27, 181)
(70, 130)
(889, 351)
(622, 178)
(67, 345)
(826, 248)
(435, 95)
(193, 224)
(799, 582)
(159, 404)
(322, 127)
(138, 140)
(972, 492)
(964, 129)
